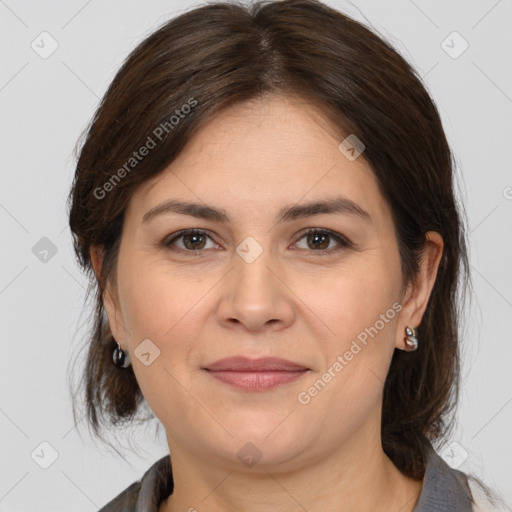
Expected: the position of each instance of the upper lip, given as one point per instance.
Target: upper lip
(246, 364)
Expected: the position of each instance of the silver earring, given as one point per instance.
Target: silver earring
(411, 339)
(120, 357)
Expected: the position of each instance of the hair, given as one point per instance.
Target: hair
(222, 54)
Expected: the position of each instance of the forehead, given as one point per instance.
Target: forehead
(263, 154)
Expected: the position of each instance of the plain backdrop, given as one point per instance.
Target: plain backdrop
(46, 101)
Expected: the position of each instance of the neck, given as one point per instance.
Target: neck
(358, 476)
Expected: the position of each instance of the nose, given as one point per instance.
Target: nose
(255, 296)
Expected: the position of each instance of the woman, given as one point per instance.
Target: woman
(265, 198)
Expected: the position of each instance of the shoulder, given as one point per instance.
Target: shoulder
(125, 501)
(147, 493)
(485, 500)
(448, 489)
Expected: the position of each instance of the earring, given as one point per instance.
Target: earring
(120, 357)
(411, 339)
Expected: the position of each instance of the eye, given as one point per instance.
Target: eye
(190, 240)
(322, 241)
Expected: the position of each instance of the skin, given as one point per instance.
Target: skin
(201, 305)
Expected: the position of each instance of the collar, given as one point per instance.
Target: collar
(444, 488)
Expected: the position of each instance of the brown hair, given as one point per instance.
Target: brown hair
(221, 54)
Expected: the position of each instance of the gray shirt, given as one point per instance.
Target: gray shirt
(444, 489)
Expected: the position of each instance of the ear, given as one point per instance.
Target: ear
(110, 299)
(418, 292)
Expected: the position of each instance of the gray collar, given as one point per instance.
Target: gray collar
(156, 485)
(444, 489)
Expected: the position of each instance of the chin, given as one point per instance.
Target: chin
(266, 439)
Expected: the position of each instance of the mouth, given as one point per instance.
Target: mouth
(255, 374)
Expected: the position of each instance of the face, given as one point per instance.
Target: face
(262, 240)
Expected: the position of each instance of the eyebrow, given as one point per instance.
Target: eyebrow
(340, 205)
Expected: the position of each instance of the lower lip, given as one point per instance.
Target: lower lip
(257, 381)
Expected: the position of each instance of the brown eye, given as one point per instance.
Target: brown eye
(194, 241)
(318, 240)
(189, 241)
(321, 241)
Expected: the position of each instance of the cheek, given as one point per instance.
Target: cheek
(169, 309)
(360, 305)
(361, 310)
(350, 301)
(157, 302)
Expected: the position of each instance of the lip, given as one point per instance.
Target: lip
(255, 374)
(261, 364)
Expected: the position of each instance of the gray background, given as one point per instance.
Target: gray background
(45, 105)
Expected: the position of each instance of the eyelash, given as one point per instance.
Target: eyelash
(343, 242)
